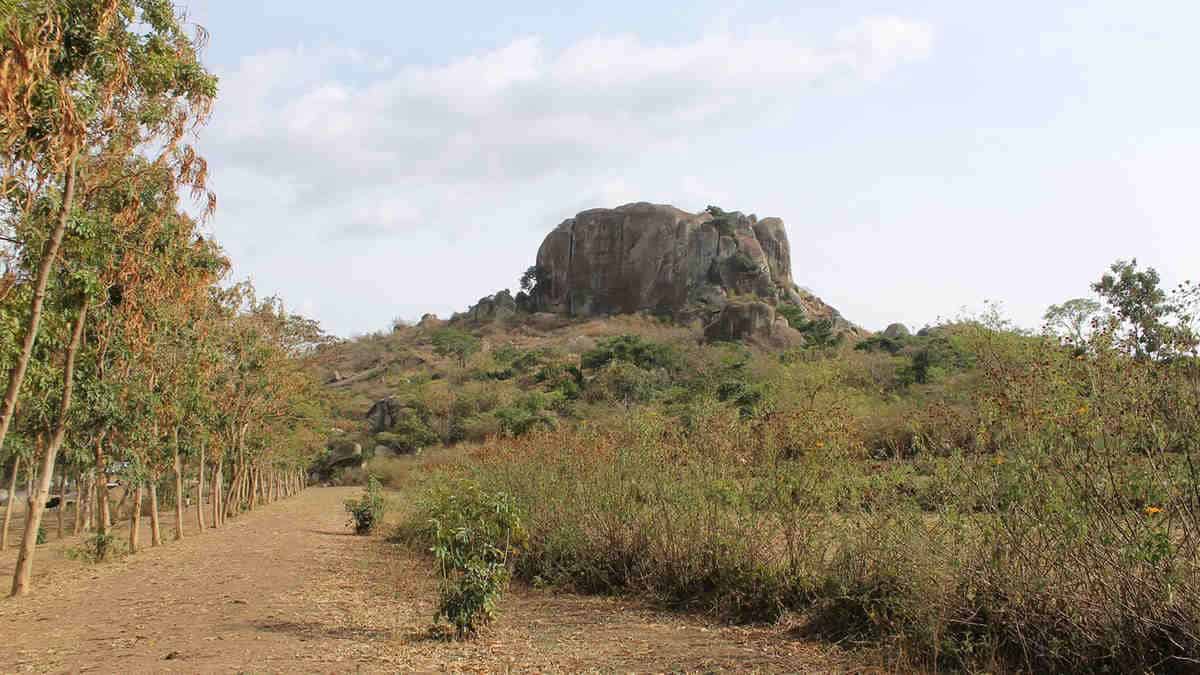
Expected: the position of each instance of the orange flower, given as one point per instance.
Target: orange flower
(1083, 410)
(1153, 510)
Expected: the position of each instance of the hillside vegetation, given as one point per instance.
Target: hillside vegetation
(974, 495)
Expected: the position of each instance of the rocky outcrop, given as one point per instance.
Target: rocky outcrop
(492, 308)
(340, 455)
(430, 322)
(729, 271)
(739, 320)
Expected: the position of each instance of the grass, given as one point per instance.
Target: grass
(970, 498)
(1022, 523)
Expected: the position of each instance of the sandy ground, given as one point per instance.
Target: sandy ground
(287, 588)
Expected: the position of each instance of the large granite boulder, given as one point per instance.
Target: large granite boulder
(753, 321)
(657, 258)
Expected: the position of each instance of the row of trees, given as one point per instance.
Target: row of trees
(124, 351)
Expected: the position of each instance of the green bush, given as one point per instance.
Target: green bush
(632, 349)
(98, 548)
(409, 433)
(472, 534)
(367, 511)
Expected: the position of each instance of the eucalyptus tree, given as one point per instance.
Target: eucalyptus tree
(87, 78)
(129, 233)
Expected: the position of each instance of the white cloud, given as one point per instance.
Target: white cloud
(345, 141)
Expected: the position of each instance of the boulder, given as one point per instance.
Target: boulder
(896, 331)
(430, 321)
(660, 259)
(489, 309)
(341, 455)
(754, 321)
(383, 414)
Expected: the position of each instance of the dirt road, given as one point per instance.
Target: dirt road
(288, 588)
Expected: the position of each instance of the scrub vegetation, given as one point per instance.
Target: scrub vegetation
(972, 496)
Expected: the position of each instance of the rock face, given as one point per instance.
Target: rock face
(727, 270)
(496, 307)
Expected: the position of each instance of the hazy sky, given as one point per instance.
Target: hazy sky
(384, 159)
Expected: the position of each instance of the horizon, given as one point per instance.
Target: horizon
(924, 162)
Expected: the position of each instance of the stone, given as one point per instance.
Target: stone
(498, 307)
(754, 321)
(656, 258)
(430, 321)
(383, 414)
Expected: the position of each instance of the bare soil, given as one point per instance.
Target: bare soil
(289, 588)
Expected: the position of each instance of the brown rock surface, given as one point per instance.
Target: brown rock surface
(657, 258)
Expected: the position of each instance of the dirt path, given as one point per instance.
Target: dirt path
(287, 588)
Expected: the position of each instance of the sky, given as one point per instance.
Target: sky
(380, 160)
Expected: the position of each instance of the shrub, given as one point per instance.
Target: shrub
(98, 548)
(632, 349)
(367, 511)
(451, 342)
(472, 534)
(409, 433)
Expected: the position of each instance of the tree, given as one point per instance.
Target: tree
(451, 342)
(101, 79)
(533, 279)
(1072, 318)
(1144, 309)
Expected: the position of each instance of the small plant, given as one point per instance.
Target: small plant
(41, 535)
(98, 548)
(473, 534)
(367, 511)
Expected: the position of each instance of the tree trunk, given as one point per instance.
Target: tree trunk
(135, 522)
(103, 519)
(45, 266)
(83, 502)
(125, 494)
(155, 530)
(80, 503)
(178, 467)
(216, 491)
(62, 500)
(230, 500)
(37, 500)
(12, 497)
(200, 492)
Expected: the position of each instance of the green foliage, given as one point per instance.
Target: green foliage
(819, 334)
(472, 534)
(533, 279)
(1072, 318)
(941, 494)
(452, 342)
(409, 433)
(98, 548)
(726, 222)
(528, 413)
(632, 349)
(367, 511)
(1145, 311)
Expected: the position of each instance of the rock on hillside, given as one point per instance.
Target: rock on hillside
(727, 271)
